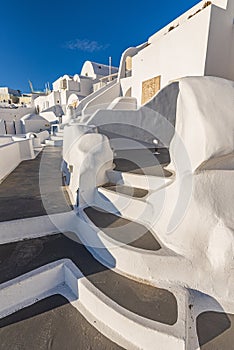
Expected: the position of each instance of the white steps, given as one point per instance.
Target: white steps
(118, 324)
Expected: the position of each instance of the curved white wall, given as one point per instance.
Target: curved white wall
(87, 70)
(204, 120)
(179, 53)
(154, 120)
(12, 154)
(92, 96)
(101, 100)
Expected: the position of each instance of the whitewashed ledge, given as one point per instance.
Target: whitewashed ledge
(64, 278)
(17, 230)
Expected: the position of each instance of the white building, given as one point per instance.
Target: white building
(38, 122)
(163, 235)
(9, 96)
(78, 86)
(198, 43)
(97, 70)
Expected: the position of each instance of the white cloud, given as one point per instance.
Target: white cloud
(85, 45)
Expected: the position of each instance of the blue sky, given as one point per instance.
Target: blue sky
(45, 39)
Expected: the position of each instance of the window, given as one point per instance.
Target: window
(128, 66)
(63, 84)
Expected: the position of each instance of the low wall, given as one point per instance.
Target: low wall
(4, 139)
(10, 127)
(43, 135)
(36, 125)
(12, 117)
(26, 149)
(10, 114)
(101, 101)
(2, 127)
(9, 159)
(154, 120)
(87, 99)
(123, 103)
(12, 154)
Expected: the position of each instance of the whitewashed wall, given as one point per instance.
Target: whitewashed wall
(44, 102)
(26, 149)
(178, 53)
(86, 86)
(91, 97)
(103, 99)
(5, 140)
(12, 154)
(40, 102)
(9, 159)
(35, 125)
(200, 45)
(53, 98)
(56, 84)
(73, 85)
(220, 51)
(10, 114)
(87, 70)
(2, 127)
(144, 124)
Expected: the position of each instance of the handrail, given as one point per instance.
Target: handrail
(108, 76)
(90, 97)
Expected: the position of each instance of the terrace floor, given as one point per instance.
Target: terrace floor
(34, 188)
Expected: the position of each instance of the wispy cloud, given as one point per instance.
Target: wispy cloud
(85, 45)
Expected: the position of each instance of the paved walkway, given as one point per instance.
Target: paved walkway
(24, 256)
(34, 188)
(51, 324)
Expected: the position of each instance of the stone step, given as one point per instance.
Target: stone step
(55, 143)
(129, 247)
(129, 194)
(214, 322)
(59, 133)
(123, 204)
(142, 162)
(140, 313)
(125, 165)
(146, 182)
(122, 230)
(124, 143)
(21, 257)
(126, 190)
(202, 322)
(56, 137)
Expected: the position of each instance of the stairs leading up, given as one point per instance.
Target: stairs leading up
(55, 139)
(125, 289)
(133, 312)
(126, 190)
(122, 230)
(21, 257)
(142, 162)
